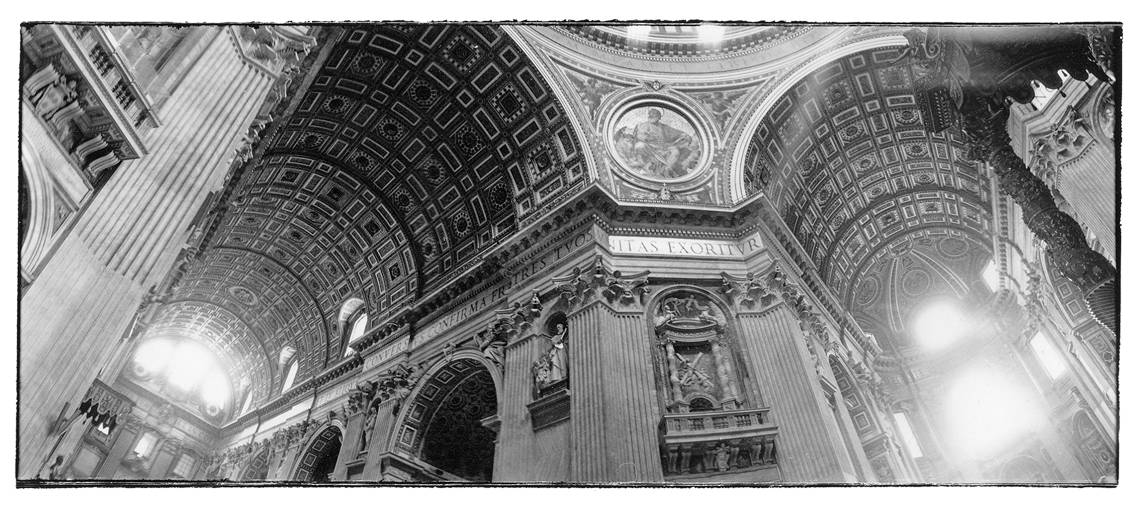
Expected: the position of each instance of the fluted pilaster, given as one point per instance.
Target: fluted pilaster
(788, 382)
(613, 404)
(526, 454)
(86, 296)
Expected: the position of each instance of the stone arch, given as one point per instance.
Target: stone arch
(322, 446)
(442, 423)
(36, 213)
(258, 467)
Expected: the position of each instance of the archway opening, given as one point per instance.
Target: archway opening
(447, 424)
(456, 440)
(318, 462)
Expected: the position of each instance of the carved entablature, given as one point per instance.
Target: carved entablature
(579, 284)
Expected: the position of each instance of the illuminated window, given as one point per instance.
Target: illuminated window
(292, 375)
(990, 275)
(1048, 355)
(248, 401)
(184, 466)
(908, 436)
(146, 444)
(359, 325)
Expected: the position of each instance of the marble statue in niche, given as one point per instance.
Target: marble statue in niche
(367, 428)
(696, 359)
(657, 143)
(551, 369)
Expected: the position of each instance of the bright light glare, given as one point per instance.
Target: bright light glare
(987, 412)
(190, 364)
(637, 31)
(1049, 356)
(153, 355)
(187, 366)
(940, 325)
(215, 389)
(990, 275)
(710, 33)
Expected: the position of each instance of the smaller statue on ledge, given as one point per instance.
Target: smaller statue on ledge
(721, 455)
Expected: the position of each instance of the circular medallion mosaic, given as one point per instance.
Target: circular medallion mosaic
(657, 141)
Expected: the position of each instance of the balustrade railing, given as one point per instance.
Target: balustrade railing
(718, 441)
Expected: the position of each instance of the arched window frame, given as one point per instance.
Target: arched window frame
(290, 376)
(357, 322)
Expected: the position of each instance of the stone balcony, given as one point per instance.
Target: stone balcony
(711, 442)
(78, 84)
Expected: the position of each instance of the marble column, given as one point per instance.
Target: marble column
(86, 295)
(613, 405)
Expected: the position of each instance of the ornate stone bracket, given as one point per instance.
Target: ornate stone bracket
(627, 289)
(624, 288)
(576, 286)
(506, 324)
(745, 290)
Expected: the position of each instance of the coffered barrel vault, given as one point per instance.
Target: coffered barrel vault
(675, 253)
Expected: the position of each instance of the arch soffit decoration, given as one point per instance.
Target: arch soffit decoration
(314, 446)
(40, 209)
(403, 417)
